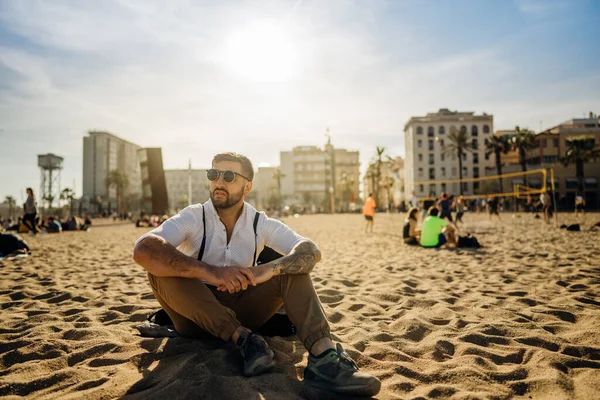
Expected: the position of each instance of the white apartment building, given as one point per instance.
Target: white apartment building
(323, 178)
(102, 153)
(177, 187)
(425, 140)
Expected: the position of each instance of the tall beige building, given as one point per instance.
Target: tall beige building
(323, 179)
(427, 137)
(178, 185)
(102, 153)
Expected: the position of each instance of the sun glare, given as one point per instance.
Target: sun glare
(261, 52)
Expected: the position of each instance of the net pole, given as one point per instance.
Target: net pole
(553, 196)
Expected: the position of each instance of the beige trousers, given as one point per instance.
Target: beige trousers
(196, 308)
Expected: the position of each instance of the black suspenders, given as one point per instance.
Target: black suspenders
(203, 245)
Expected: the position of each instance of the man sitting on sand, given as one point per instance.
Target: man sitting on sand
(202, 268)
(435, 231)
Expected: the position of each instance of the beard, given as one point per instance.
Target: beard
(230, 199)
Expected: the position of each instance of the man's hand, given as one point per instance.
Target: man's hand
(231, 279)
(261, 273)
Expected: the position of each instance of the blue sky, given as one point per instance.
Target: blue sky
(258, 77)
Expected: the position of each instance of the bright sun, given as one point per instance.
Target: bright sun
(261, 52)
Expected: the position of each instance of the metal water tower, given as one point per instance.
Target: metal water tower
(50, 166)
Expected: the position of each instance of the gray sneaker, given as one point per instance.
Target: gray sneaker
(337, 372)
(258, 357)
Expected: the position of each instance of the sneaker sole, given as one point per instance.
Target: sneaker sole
(354, 390)
(262, 365)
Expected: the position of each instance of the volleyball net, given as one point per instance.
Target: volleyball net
(519, 185)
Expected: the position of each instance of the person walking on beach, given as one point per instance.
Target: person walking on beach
(30, 212)
(493, 206)
(546, 204)
(369, 212)
(579, 204)
(201, 265)
(460, 209)
(444, 205)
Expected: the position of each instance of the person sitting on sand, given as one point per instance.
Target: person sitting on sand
(410, 232)
(201, 265)
(435, 231)
(53, 226)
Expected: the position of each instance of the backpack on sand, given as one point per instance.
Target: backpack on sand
(468, 241)
(278, 325)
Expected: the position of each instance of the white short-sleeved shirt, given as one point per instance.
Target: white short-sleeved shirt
(185, 231)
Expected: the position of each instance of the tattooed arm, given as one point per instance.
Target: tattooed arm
(301, 260)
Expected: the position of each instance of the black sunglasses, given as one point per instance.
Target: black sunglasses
(228, 176)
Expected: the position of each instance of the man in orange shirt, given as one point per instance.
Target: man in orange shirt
(369, 211)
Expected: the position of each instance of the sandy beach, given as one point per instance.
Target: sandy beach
(519, 318)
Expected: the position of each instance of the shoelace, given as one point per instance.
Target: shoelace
(345, 357)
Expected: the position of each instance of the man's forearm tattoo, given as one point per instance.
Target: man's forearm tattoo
(301, 260)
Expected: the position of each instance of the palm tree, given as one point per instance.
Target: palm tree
(523, 141)
(497, 145)
(120, 181)
(459, 144)
(11, 204)
(579, 151)
(69, 195)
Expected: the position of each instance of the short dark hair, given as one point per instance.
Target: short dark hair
(246, 164)
(433, 211)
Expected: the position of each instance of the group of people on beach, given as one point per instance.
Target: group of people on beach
(33, 223)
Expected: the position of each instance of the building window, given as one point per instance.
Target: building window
(555, 143)
(486, 129)
(420, 172)
(463, 129)
(421, 188)
(544, 143)
(591, 183)
(571, 183)
(419, 130)
(419, 143)
(474, 130)
(475, 158)
(453, 171)
(420, 157)
(485, 142)
(430, 132)
(474, 144)
(443, 170)
(431, 160)
(452, 129)
(475, 186)
(465, 187)
(443, 187)
(475, 172)
(464, 156)
(431, 173)
(442, 157)
(430, 145)
(487, 156)
(441, 130)
(465, 172)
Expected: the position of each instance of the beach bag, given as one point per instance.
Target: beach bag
(574, 228)
(278, 325)
(468, 241)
